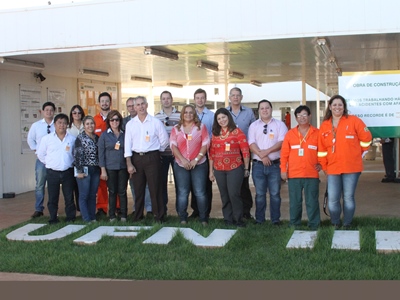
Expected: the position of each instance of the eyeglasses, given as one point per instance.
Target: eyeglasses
(129, 106)
(166, 121)
(265, 129)
(302, 116)
(48, 129)
(114, 120)
(76, 113)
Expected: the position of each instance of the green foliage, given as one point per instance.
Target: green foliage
(256, 252)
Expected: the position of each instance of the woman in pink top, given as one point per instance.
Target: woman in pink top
(189, 142)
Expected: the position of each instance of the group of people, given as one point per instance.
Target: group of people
(94, 158)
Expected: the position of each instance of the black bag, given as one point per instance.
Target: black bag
(326, 200)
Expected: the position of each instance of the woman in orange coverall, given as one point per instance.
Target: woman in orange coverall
(343, 139)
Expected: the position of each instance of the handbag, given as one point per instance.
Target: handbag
(326, 200)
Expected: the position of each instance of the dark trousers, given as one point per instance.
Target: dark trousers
(193, 202)
(166, 161)
(229, 187)
(148, 168)
(117, 183)
(76, 194)
(245, 193)
(388, 159)
(66, 179)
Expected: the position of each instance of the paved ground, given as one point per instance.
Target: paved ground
(373, 198)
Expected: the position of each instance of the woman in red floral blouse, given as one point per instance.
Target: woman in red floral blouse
(229, 162)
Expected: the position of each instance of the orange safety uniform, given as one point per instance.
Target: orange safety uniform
(340, 150)
(299, 154)
(102, 192)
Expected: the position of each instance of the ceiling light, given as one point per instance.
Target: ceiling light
(206, 65)
(177, 85)
(256, 83)
(161, 53)
(93, 72)
(21, 63)
(236, 75)
(324, 47)
(144, 79)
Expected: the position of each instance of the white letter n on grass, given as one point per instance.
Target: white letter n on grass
(218, 238)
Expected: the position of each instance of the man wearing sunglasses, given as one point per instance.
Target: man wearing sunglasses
(169, 116)
(38, 130)
(265, 139)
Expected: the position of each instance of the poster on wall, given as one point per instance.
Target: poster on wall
(30, 98)
(89, 94)
(58, 97)
(375, 98)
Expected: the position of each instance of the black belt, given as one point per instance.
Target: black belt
(274, 162)
(59, 171)
(145, 153)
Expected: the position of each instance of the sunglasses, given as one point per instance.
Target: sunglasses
(48, 129)
(265, 129)
(114, 120)
(166, 121)
(76, 113)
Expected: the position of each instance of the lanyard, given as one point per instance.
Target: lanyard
(304, 138)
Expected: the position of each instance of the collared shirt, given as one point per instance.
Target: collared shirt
(207, 118)
(243, 119)
(75, 130)
(125, 121)
(189, 146)
(171, 120)
(86, 153)
(111, 150)
(149, 135)
(276, 131)
(227, 158)
(57, 154)
(101, 124)
(299, 153)
(37, 131)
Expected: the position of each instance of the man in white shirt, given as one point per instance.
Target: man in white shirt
(145, 137)
(56, 153)
(38, 130)
(147, 201)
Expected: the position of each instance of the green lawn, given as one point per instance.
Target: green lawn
(254, 253)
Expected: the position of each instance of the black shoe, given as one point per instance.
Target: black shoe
(55, 221)
(257, 223)
(248, 216)
(387, 179)
(194, 215)
(240, 224)
(149, 214)
(277, 223)
(397, 180)
(37, 214)
(347, 227)
(228, 222)
(100, 213)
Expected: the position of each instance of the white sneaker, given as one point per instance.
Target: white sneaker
(113, 220)
(123, 219)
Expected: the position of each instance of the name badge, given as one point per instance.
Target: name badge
(295, 147)
(312, 147)
(301, 152)
(98, 130)
(117, 145)
(349, 136)
(227, 147)
(271, 135)
(67, 148)
(147, 138)
(189, 136)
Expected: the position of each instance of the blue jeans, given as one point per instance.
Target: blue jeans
(342, 184)
(87, 193)
(166, 161)
(147, 199)
(185, 180)
(267, 178)
(40, 175)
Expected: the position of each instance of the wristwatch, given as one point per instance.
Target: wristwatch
(196, 159)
